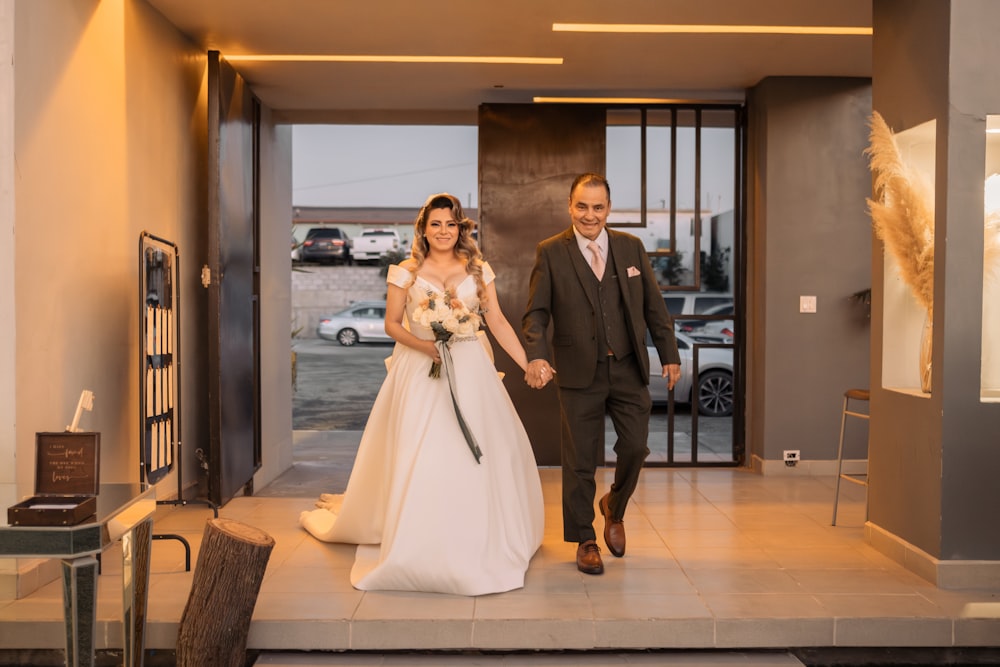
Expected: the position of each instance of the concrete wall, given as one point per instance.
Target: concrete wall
(103, 129)
(809, 235)
(324, 290)
(109, 140)
(8, 339)
(109, 122)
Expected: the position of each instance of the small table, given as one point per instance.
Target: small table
(124, 512)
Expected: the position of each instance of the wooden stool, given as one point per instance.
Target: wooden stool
(857, 395)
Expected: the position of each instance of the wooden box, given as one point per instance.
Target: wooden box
(67, 477)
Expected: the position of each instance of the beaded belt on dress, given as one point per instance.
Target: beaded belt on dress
(461, 339)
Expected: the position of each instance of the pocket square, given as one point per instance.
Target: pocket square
(632, 272)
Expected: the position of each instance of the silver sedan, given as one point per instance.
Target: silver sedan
(715, 377)
(362, 322)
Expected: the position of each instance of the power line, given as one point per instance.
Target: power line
(379, 178)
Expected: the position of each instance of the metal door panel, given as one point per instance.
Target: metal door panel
(529, 155)
(233, 372)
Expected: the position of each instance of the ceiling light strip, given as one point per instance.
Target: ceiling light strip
(481, 60)
(712, 29)
(611, 100)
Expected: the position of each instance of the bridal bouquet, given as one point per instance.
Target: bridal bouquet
(447, 316)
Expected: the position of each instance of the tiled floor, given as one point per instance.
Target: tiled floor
(574, 659)
(717, 559)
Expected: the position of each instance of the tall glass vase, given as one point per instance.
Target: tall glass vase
(926, 347)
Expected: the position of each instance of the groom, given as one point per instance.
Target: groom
(597, 288)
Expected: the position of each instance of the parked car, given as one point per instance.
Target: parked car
(296, 250)
(372, 244)
(362, 322)
(326, 244)
(680, 304)
(695, 303)
(716, 330)
(715, 377)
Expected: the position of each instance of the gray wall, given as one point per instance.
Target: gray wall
(935, 457)
(808, 234)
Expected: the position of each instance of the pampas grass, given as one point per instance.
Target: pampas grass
(902, 212)
(903, 215)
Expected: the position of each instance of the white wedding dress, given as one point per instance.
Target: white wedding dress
(427, 516)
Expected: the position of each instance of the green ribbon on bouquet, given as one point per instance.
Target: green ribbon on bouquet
(449, 369)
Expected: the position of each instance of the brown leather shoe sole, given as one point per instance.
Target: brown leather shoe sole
(588, 560)
(609, 523)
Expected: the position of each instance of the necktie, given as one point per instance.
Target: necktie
(596, 261)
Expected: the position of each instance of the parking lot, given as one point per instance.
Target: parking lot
(336, 386)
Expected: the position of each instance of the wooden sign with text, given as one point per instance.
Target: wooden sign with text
(67, 463)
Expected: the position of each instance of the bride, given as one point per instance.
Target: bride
(444, 496)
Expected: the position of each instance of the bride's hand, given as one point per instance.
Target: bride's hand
(430, 349)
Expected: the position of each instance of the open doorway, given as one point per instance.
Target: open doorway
(354, 183)
(361, 177)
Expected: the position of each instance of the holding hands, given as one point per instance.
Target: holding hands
(538, 373)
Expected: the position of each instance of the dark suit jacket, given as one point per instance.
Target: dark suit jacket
(557, 295)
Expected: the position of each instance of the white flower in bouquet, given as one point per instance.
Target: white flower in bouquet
(447, 316)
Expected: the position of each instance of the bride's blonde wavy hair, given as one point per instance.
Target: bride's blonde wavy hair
(466, 248)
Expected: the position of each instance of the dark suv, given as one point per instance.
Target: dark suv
(326, 244)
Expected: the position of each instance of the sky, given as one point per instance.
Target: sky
(399, 165)
(382, 165)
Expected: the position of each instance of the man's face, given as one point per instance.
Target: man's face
(588, 209)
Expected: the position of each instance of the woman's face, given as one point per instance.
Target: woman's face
(442, 229)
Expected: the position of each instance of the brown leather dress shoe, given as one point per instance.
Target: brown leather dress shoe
(614, 531)
(588, 558)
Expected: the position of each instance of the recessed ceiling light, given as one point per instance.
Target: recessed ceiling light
(729, 99)
(608, 100)
(479, 60)
(712, 29)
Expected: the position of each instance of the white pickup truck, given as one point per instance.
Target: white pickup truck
(372, 244)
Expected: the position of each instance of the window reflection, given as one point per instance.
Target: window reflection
(672, 172)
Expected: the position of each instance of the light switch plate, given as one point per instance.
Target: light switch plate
(807, 304)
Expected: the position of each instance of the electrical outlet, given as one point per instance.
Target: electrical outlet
(791, 457)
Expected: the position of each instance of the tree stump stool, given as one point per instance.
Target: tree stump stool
(216, 620)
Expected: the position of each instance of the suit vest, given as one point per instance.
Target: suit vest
(612, 332)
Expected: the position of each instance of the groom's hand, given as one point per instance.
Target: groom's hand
(538, 374)
(673, 373)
